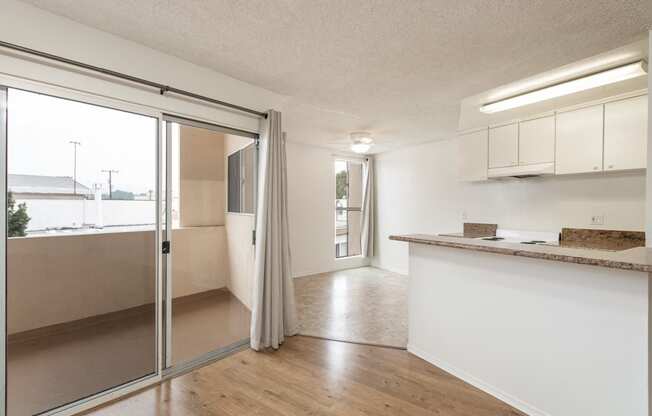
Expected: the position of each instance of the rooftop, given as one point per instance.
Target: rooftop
(39, 184)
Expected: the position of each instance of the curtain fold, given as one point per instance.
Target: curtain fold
(273, 314)
(368, 215)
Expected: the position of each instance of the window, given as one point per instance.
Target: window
(77, 168)
(242, 180)
(348, 212)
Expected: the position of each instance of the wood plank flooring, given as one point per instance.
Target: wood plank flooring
(364, 305)
(310, 376)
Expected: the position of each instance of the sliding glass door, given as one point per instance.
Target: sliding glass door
(82, 249)
(127, 234)
(206, 288)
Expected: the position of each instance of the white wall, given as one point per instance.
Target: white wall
(45, 213)
(241, 255)
(239, 227)
(550, 338)
(418, 192)
(311, 200)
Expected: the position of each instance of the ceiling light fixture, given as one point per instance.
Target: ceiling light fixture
(598, 79)
(360, 147)
(362, 141)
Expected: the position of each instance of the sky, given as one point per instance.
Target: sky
(40, 129)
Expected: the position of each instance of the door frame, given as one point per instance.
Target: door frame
(169, 369)
(3, 249)
(85, 403)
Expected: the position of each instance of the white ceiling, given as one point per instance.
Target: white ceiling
(396, 68)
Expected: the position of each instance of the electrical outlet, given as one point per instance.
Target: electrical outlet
(597, 220)
(464, 216)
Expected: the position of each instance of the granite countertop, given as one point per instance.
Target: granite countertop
(636, 259)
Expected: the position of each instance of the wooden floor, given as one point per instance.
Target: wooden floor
(364, 305)
(310, 376)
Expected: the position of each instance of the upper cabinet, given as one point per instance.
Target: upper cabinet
(625, 134)
(579, 140)
(536, 142)
(503, 146)
(610, 136)
(472, 156)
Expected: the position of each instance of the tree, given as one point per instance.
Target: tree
(17, 219)
(340, 184)
(120, 195)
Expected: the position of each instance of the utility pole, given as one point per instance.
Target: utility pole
(74, 171)
(110, 172)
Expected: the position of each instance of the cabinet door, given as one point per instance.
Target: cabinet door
(536, 141)
(625, 134)
(472, 156)
(579, 140)
(503, 146)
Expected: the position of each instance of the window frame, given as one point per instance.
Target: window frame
(347, 209)
(254, 146)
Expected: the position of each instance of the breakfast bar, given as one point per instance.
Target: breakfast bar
(552, 329)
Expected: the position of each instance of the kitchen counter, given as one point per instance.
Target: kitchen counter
(531, 324)
(589, 253)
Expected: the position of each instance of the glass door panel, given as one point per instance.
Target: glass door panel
(348, 208)
(208, 312)
(81, 250)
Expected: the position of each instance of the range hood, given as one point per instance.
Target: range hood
(522, 171)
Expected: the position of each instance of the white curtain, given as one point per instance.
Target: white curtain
(368, 216)
(273, 314)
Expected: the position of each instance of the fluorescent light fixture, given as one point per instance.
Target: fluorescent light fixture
(598, 79)
(361, 147)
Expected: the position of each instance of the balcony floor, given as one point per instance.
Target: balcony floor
(54, 369)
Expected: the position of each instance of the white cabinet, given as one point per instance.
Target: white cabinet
(579, 140)
(625, 134)
(503, 146)
(472, 156)
(536, 142)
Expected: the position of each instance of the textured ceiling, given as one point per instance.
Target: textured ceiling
(396, 68)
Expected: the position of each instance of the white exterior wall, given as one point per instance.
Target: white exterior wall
(70, 213)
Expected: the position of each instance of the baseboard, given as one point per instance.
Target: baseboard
(299, 275)
(390, 269)
(475, 382)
